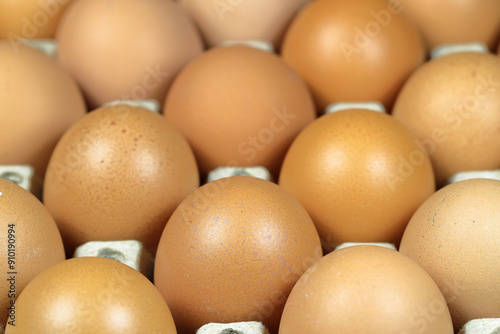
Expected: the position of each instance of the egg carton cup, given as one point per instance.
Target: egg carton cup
(24, 176)
(129, 252)
(256, 44)
(447, 49)
(368, 105)
(482, 326)
(229, 171)
(479, 174)
(352, 244)
(149, 104)
(250, 327)
(47, 46)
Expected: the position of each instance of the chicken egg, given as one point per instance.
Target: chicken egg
(454, 236)
(118, 174)
(126, 49)
(360, 174)
(30, 243)
(353, 50)
(91, 295)
(232, 252)
(366, 289)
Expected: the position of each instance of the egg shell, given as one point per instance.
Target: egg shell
(454, 236)
(452, 105)
(39, 102)
(451, 21)
(360, 174)
(232, 252)
(36, 243)
(221, 20)
(126, 49)
(30, 18)
(239, 106)
(366, 289)
(353, 50)
(118, 174)
(91, 295)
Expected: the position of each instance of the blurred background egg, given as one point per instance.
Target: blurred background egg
(353, 50)
(232, 251)
(91, 295)
(454, 237)
(30, 18)
(36, 243)
(118, 174)
(366, 289)
(222, 20)
(38, 102)
(360, 174)
(455, 21)
(452, 105)
(239, 106)
(126, 49)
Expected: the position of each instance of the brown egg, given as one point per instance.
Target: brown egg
(455, 21)
(353, 50)
(232, 251)
(30, 18)
(452, 105)
(366, 289)
(30, 243)
(221, 20)
(118, 174)
(454, 237)
(126, 49)
(360, 174)
(239, 106)
(38, 100)
(91, 295)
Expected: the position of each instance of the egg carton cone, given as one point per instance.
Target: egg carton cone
(479, 174)
(368, 105)
(228, 171)
(129, 252)
(150, 104)
(380, 244)
(47, 46)
(24, 176)
(250, 327)
(256, 44)
(447, 49)
(482, 326)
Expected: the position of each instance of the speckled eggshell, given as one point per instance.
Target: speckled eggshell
(452, 21)
(454, 236)
(232, 251)
(91, 295)
(118, 174)
(38, 102)
(126, 49)
(220, 20)
(239, 106)
(366, 289)
(360, 174)
(30, 18)
(353, 50)
(37, 243)
(452, 105)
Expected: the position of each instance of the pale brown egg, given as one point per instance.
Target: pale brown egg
(118, 174)
(452, 105)
(38, 102)
(30, 243)
(360, 174)
(455, 21)
(353, 50)
(454, 236)
(366, 289)
(126, 49)
(30, 18)
(239, 106)
(242, 20)
(91, 295)
(232, 251)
